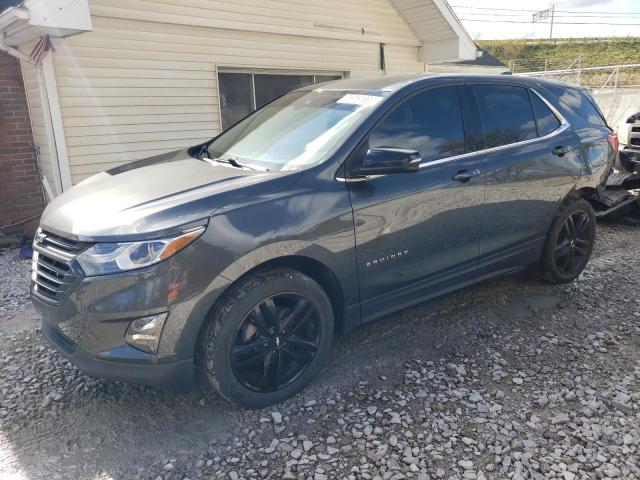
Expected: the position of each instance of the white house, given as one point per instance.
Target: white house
(133, 78)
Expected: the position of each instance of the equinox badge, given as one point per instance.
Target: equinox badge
(387, 258)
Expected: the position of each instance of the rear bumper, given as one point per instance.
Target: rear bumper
(124, 364)
(629, 155)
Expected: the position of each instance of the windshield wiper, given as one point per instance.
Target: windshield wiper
(233, 161)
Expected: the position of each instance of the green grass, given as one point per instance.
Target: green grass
(535, 55)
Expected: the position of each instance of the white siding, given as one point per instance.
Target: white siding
(144, 80)
(41, 124)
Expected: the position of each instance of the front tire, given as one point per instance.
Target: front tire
(569, 243)
(268, 338)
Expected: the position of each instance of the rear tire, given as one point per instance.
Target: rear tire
(569, 243)
(268, 338)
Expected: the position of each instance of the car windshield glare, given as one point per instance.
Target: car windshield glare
(297, 130)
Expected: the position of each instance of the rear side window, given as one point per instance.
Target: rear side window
(546, 120)
(429, 122)
(579, 103)
(505, 113)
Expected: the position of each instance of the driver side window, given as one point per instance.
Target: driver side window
(429, 122)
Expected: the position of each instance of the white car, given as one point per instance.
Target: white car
(629, 150)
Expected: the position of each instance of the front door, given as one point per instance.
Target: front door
(417, 233)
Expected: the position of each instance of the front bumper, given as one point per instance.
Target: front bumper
(87, 321)
(176, 375)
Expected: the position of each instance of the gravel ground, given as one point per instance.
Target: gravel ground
(511, 378)
(14, 284)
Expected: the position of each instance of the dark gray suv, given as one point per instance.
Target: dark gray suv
(327, 208)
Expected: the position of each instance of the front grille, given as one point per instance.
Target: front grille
(51, 272)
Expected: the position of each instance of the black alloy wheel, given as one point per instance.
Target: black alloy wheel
(569, 242)
(276, 342)
(268, 337)
(573, 243)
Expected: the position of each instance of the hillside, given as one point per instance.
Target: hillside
(536, 55)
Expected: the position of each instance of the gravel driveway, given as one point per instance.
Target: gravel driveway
(511, 378)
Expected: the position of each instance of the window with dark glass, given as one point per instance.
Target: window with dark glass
(578, 102)
(429, 122)
(546, 120)
(505, 113)
(242, 93)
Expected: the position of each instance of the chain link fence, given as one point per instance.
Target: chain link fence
(616, 88)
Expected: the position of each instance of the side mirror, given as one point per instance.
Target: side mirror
(383, 161)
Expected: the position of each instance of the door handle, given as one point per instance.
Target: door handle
(561, 150)
(464, 176)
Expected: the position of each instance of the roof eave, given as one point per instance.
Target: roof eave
(35, 18)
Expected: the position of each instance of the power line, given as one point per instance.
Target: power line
(637, 15)
(533, 11)
(555, 23)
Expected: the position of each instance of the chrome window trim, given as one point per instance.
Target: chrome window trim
(564, 125)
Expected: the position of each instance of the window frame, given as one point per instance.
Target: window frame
(463, 114)
(468, 125)
(474, 138)
(564, 123)
(266, 71)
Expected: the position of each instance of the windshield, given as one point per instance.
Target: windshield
(295, 131)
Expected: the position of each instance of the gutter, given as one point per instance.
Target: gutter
(8, 18)
(14, 52)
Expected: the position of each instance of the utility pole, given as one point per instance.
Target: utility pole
(544, 14)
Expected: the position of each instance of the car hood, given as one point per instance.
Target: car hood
(152, 197)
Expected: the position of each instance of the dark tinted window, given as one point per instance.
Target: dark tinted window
(429, 122)
(270, 86)
(236, 97)
(580, 103)
(242, 93)
(326, 78)
(545, 119)
(505, 113)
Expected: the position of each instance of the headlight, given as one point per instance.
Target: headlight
(105, 258)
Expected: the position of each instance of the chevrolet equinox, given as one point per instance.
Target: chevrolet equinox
(327, 208)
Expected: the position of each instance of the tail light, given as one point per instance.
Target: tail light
(614, 142)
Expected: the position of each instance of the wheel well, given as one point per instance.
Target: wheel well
(585, 193)
(313, 269)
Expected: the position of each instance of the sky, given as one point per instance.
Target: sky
(521, 11)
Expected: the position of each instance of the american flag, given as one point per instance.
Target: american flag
(41, 49)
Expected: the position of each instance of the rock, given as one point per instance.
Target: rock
(277, 417)
(560, 419)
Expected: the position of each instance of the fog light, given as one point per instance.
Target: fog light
(144, 333)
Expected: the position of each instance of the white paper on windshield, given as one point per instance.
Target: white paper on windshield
(360, 100)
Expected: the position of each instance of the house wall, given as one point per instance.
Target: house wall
(143, 81)
(20, 189)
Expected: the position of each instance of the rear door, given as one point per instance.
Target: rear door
(531, 161)
(417, 233)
